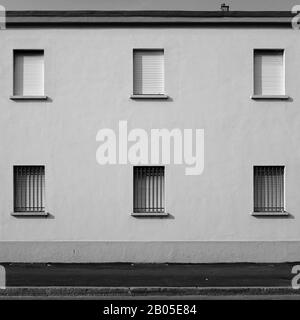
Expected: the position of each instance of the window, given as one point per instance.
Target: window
(29, 188)
(28, 73)
(148, 189)
(148, 72)
(269, 73)
(268, 189)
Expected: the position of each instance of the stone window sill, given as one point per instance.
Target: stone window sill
(269, 97)
(28, 97)
(149, 96)
(149, 214)
(270, 214)
(30, 214)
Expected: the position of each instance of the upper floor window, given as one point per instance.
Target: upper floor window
(148, 72)
(28, 73)
(269, 78)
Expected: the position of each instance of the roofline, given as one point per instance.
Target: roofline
(48, 18)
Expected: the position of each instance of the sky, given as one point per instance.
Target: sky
(268, 5)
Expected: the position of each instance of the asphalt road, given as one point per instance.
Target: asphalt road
(149, 275)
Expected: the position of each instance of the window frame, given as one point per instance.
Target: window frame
(32, 213)
(17, 97)
(148, 96)
(150, 214)
(269, 213)
(256, 96)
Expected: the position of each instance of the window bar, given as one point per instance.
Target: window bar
(28, 205)
(134, 189)
(256, 194)
(267, 170)
(27, 188)
(273, 188)
(258, 183)
(279, 203)
(160, 192)
(260, 188)
(33, 190)
(15, 185)
(256, 197)
(255, 188)
(42, 189)
(280, 182)
(138, 188)
(270, 174)
(148, 173)
(19, 199)
(269, 186)
(276, 187)
(263, 188)
(154, 207)
(144, 190)
(281, 189)
(162, 189)
(23, 188)
(156, 192)
(37, 181)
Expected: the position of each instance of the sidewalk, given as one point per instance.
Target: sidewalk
(147, 280)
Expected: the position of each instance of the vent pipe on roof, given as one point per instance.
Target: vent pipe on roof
(224, 7)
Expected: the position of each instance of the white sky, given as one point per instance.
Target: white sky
(269, 5)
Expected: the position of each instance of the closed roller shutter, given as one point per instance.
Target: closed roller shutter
(29, 73)
(269, 72)
(148, 72)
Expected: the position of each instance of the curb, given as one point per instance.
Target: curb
(34, 292)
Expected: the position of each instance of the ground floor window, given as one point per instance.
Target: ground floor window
(268, 188)
(148, 189)
(29, 188)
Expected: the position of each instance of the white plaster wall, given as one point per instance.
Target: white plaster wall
(209, 81)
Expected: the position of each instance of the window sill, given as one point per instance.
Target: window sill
(149, 96)
(149, 214)
(28, 97)
(271, 214)
(30, 214)
(269, 97)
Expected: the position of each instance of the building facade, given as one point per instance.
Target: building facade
(232, 75)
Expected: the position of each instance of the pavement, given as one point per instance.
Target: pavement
(240, 280)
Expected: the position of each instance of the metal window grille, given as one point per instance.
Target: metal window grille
(148, 189)
(268, 188)
(29, 188)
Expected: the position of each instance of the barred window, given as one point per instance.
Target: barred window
(268, 188)
(29, 188)
(148, 190)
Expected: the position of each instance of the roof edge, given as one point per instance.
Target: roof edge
(14, 18)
